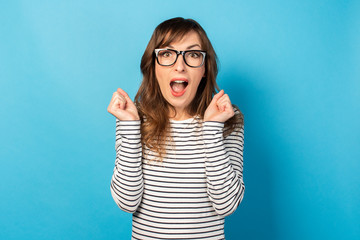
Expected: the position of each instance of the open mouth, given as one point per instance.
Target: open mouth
(178, 87)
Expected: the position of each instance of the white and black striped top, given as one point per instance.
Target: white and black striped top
(188, 194)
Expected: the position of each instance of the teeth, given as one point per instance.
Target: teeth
(179, 81)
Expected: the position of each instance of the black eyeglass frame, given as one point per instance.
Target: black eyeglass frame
(156, 51)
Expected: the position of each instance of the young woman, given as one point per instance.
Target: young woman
(179, 145)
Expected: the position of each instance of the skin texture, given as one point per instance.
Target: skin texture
(164, 75)
(122, 107)
(219, 110)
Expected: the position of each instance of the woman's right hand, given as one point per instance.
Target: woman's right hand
(122, 107)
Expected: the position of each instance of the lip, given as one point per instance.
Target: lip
(178, 94)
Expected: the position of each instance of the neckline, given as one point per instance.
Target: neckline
(188, 120)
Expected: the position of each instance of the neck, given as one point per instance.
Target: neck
(181, 114)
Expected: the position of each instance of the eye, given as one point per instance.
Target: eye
(165, 53)
(194, 54)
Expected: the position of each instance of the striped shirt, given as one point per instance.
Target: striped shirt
(188, 194)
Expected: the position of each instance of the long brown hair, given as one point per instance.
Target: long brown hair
(153, 108)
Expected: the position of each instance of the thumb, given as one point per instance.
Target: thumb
(217, 97)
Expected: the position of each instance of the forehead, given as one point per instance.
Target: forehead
(187, 39)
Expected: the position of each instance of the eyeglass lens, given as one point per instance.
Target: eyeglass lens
(193, 58)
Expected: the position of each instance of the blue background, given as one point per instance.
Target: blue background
(293, 68)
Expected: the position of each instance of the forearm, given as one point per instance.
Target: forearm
(224, 167)
(127, 180)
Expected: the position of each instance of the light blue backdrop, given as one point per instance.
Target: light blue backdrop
(293, 68)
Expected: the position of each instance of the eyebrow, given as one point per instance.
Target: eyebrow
(189, 47)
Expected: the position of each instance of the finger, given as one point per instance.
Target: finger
(122, 104)
(126, 96)
(117, 104)
(221, 106)
(117, 98)
(118, 101)
(228, 108)
(123, 93)
(224, 97)
(113, 105)
(113, 97)
(225, 105)
(121, 98)
(217, 97)
(112, 101)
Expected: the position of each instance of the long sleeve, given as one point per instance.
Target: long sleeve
(224, 167)
(127, 180)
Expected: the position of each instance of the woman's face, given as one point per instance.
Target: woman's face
(179, 82)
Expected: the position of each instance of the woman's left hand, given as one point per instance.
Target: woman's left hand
(219, 109)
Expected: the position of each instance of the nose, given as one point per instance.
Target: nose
(180, 64)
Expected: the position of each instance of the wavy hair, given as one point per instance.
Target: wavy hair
(153, 109)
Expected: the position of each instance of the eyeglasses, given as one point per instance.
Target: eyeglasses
(168, 57)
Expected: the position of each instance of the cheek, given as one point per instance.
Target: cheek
(202, 72)
(159, 74)
(156, 71)
(199, 75)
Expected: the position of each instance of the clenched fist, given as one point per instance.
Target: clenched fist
(122, 107)
(219, 109)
